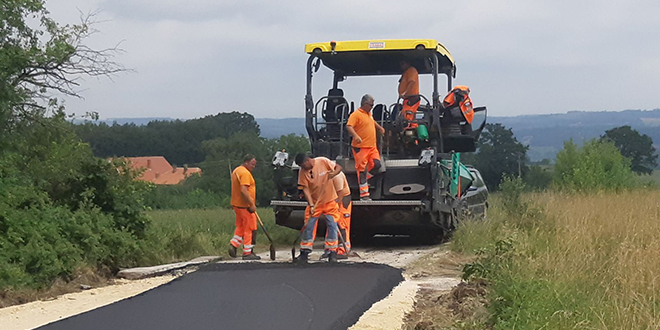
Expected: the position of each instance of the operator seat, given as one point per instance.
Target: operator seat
(456, 131)
(336, 107)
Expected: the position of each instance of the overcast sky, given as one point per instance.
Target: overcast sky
(199, 57)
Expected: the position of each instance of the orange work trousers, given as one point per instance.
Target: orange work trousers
(328, 211)
(246, 224)
(344, 224)
(365, 161)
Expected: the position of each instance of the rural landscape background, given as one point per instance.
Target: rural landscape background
(570, 240)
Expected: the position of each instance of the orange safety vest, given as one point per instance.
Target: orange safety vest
(462, 95)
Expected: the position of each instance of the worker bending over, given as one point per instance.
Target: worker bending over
(315, 178)
(362, 127)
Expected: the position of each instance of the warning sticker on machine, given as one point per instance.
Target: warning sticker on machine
(376, 45)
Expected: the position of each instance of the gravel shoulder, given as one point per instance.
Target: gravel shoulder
(432, 269)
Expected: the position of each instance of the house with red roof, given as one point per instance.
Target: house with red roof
(157, 170)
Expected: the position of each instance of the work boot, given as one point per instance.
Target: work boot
(325, 254)
(232, 251)
(366, 199)
(303, 257)
(342, 256)
(251, 256)
(332, 257)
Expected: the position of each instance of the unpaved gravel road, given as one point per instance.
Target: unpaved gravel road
(385, 314)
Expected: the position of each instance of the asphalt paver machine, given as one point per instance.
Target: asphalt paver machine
(419, 189)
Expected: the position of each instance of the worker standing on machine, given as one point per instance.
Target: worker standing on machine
(362, 127)
(315, 178)
(409, 91)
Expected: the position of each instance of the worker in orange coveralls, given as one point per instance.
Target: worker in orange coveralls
(315, 179)
(409, 91)
(362, 127)
(345, 209)
(243, 197)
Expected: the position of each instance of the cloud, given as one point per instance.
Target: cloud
(199, 57)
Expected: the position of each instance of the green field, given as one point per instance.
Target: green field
(177, 235)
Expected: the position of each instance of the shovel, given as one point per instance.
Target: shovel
(272, 245)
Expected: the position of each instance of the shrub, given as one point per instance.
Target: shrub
(597, 166)
(62, 209)
(537, 178)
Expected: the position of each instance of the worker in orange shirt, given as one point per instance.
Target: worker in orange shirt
(345, 209)
(315, 179)
(362, 127)
(243, 197)
(409, 91)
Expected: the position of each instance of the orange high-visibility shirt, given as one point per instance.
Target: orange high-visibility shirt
(241, 176)
(341, 185)
(409, 75)
(365, 126)
(316, 180)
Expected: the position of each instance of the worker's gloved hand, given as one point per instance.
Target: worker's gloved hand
(358, 140)
(252, 209)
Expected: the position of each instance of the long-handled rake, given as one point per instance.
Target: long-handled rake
(350, 253)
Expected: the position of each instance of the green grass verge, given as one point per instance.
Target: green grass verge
(176, 235)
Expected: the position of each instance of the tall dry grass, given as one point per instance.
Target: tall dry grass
(609, 243)
(574, 261)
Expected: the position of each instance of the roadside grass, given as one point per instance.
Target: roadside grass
(177, 235)
(569, 261)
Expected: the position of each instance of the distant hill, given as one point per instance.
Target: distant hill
(272, 128)
(545, 134)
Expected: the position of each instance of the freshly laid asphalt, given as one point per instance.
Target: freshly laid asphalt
(250, 296)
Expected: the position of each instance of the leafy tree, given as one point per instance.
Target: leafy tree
(499, 153)
(39, 58)
(598, 165)
(638, 147)
(60, 207)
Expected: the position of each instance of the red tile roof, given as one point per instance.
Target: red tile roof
(159, 171)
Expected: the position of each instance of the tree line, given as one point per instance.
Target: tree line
(216, 143)
(618, 153)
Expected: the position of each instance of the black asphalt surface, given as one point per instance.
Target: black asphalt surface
(250, 296)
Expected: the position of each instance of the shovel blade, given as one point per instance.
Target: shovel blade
(272, 252)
